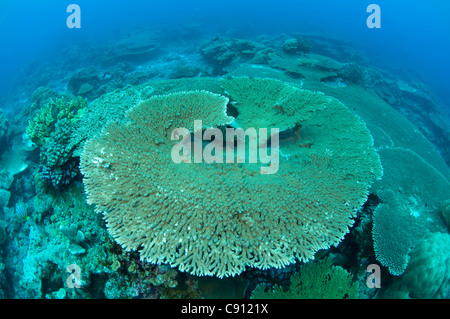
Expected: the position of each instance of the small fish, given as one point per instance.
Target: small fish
(21, 211)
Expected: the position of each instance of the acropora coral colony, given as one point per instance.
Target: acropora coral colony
(218, 218)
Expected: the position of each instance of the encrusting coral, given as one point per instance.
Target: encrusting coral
(217, 219)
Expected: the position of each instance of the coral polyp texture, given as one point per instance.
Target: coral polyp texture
(219, 218)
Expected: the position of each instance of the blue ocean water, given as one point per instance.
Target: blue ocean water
(48, 232)
(413, 36)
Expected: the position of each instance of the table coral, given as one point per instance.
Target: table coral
(428, 273)
(210, 219)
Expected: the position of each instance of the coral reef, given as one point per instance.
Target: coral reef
(319, 62)
(109, 107)
(222, 51)
(41, 125)
(4, 197)
(71, 234)
(61, 229)
(136, 47)
(445, 210)
(297, 45)
(413, 206)
(58, 167)
(2, 235)
(269, 103)
(13, 163)
(315, 280)
(41, 96)
(411, 227)
(83, 81)
(44, 123)
(413, 170)
(4, 125)
(428, 273)
(198, 239)
(51, 130)
(60, 176)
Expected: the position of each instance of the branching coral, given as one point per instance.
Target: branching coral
(51, 129)
(40, 126)
(43, 123)
(110, 107)
(216, 219)
(57, 166)
(319, 280)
